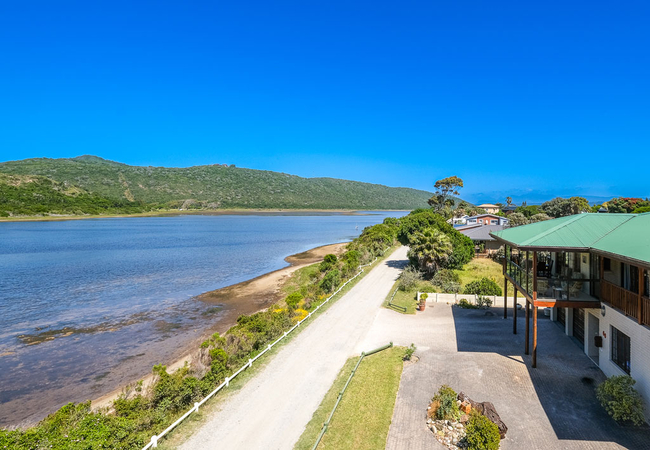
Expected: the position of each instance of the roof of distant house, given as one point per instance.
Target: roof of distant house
(509, 208)
(624, 235)
(480, 232)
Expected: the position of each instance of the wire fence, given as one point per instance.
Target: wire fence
(155, 438)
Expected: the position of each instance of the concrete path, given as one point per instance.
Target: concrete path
(474, 351)
(272, 409)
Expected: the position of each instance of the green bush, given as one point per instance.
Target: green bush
(481, 433)
(465, 304)
(447, 281)
(331, 281)
(482, 286)
(292, 300)
(448, 409)
(408, 353)
(329, 261)
(621, 400)
(483, 302)
(409, 278)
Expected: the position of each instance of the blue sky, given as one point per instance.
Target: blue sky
(520, 99)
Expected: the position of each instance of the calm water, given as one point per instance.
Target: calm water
(77, 298)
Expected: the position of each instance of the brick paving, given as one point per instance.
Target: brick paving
(474, 351)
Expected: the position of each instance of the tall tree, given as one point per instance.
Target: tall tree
(560, 207)
(430, 248)
(442, 201)
(509, 200)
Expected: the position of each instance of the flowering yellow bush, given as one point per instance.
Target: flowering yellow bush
(278, 310)
(300, 314)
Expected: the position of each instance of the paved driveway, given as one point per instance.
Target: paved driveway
(272, 409)
(474, 351)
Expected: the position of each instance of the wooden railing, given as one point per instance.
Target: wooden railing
(626, 301)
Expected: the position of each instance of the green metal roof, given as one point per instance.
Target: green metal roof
(626, 235)
(578, 231)
(631, 239)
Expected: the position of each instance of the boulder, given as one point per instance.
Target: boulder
(489, 411)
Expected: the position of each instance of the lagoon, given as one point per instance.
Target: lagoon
(86, 306)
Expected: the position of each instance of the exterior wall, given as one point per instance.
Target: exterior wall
(639, 352)
(614, 275)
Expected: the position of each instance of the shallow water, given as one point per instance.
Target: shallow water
(79, 298)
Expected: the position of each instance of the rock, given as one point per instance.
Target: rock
(489, 411)
(464, 419)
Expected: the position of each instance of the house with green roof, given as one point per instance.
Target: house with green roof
(592, 273)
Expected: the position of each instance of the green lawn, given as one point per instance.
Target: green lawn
(364, 414)
(407, 299)
(482, 267)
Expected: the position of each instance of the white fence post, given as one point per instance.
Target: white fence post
(196, 406)
(227, 381)
(250, 363)
(154, 441)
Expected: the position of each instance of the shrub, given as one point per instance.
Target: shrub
(408, 353)
(292, 300)
(448, 409)
(328, 262)
(464, 303)
(447, 280)
(483, 286)
(481, 433)
(424, 296)
(483, 302)
(331, 281)
(409, 278)
(621, 400)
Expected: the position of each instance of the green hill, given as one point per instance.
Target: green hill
(30, 195)
(212, 187)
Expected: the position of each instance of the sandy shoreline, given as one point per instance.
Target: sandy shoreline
(171, 213)
(247, 297)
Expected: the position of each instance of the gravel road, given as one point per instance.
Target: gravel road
(273, 408)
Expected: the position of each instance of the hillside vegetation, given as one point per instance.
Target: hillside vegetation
(214, 186)
(30, 195)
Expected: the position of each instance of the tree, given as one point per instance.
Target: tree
(430, 248)
(517, 219)
(560, 207)
(539, 218)
(445, 188)
(509, 200)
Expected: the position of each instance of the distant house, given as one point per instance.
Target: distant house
(509, 209)
(486, 219)
(490, 208)
(484, 243)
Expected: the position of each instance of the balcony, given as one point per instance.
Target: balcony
(630, 303)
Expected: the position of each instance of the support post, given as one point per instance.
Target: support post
(505, 283)
(514, 314)
(534, 336)
(639, 299)
(527, 327)
(534, 310)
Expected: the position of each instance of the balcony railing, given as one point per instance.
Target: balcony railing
(626, 301)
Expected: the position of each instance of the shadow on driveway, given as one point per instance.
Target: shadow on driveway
(565, 378)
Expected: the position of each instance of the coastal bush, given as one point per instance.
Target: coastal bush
(293, 299)
(446, 399)
(465, 304)
(331, 281)
(447, 281)
(481, 433)
(621, 400)
(482, 286)
(408, 353)
(328, 262)
(409, 278)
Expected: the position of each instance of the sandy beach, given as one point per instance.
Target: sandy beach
(247, 297)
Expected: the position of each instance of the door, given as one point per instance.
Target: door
(579, 324)
(561, 316)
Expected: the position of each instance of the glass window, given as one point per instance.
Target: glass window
(621, 349)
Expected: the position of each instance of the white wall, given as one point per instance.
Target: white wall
(639, 353)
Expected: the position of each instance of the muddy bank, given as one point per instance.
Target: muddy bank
(233, 301)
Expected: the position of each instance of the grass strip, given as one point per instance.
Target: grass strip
(364, 414)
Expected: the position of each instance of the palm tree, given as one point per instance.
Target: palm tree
(509, 200)
(430, 248)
